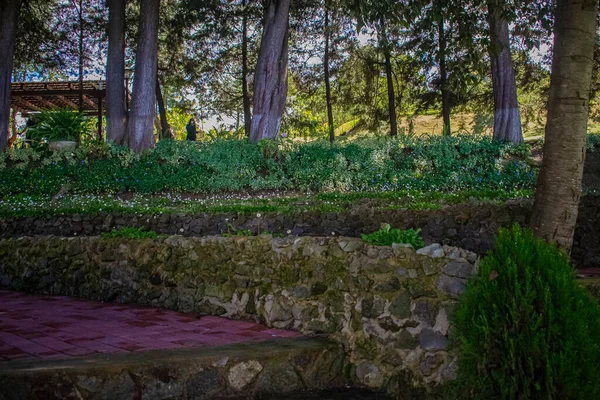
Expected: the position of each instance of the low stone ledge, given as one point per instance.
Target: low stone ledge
(234, 371)
(388, 306)
(470, 225)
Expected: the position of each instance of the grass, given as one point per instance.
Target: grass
(268, 202)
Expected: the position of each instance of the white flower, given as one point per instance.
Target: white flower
(289, 231)
(332, 233)
(258, 215)
(181, 230)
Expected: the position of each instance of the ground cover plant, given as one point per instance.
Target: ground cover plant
(16, 206)
(432, 164)
(129, 233)
(525, 328)
(386, 236)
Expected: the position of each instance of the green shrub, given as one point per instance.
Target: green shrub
(404, 164)
(55, 125)
(130, 233)
(524, 328)
(387, 236)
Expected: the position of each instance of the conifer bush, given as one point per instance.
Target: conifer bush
(524, 328)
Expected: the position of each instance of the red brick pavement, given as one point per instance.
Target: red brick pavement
(50, 327)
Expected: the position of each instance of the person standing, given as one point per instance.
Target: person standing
(191, 130)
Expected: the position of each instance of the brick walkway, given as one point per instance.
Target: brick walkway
(50, 327)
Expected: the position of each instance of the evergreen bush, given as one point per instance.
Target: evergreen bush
(525, 328)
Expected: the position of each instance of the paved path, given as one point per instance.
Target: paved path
(51, 327)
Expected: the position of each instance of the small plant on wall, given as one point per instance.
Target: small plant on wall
(386, 236)
(130, 233)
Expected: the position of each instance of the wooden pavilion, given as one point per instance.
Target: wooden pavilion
(32, 97)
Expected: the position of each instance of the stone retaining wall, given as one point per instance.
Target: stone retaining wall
(388, 306)
(471, 225)
(234, 372)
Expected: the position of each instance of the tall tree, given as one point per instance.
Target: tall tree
(116, 115)
(9, 14)
(165, 128)
(245, 73)
(559, 184)
(385, 45)
(507, 117)
(140, 129)
(328, 100)
(444, 76)
(270, 76)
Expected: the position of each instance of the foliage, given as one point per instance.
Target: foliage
(525, 328)
(130, 233)
(436, 163)
(387, 236)
(593, 142)
(54, 125)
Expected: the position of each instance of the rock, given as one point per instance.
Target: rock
(278, 377)
(206, 307)
(459, 269)
(388, 324)
(369, 375)
(240, 375)
(430, 363)
(204, 385)
(400, 306)
(442, 324)
(431, 340)
(430, 267)
(318, 288)
(406, 340)
(433, 250)
(390, 285)
(372, 307)
(300, 291)
(426, 312)
(350, 244)
(452, 286)
(117, 387)
(419, 290)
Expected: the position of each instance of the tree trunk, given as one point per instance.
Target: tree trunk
(116, 114)
(80, 55)
(327, 83)
(384, 43)
(140, 125)
(245, 92)
(444, 79)
(9, 14)
(270, 77)
(165, 128)
(13, 129)
(507, 118)
(559, 184)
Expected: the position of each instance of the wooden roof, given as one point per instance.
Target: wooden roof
(38, 96)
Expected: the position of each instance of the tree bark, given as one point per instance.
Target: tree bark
(165, 128)
(140, 125)
(559, 184)
(9, 14)
(390, 81)
(507, 117)
(327, 83)
(245, 74)
(270, 77)
(444, 79)
(116, 114)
